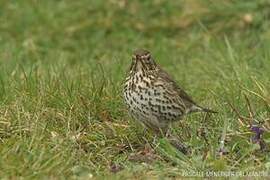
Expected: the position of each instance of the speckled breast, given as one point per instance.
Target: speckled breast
(148, 101)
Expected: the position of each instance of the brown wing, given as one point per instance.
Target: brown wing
(172, 86)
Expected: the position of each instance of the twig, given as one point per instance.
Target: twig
(222, 151)
(251, 114)
(241, 118)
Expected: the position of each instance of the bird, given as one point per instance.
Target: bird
(153, 97)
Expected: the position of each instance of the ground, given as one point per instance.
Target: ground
(62, 65)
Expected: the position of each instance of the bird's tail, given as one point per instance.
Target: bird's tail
(208, 110)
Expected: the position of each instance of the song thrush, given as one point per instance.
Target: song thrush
(153, 97)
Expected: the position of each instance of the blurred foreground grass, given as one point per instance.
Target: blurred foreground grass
(62, 64)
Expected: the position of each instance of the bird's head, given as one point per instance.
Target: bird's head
(142, 60)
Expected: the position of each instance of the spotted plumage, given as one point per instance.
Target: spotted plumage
(152, 96)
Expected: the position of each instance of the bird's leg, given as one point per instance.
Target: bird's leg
(157, 134)
(155, 139)
(168, 133)
(144, 131)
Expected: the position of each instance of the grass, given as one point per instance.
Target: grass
(62, 64)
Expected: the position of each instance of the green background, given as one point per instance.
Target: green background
(63, 62)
